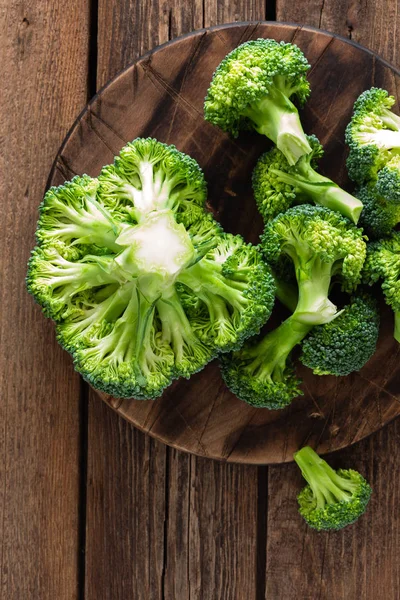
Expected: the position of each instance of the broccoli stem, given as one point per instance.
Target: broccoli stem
(276, 117)
(327, 486)
(314, 278)
(390, 119)
(176, 328)
(271, 353)
(323, 191)
(397, 326)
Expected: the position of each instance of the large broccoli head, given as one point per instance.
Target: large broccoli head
(112, 259)
(252, 88)
(261, 373)
(321, 244)
(332, 499)
(383, 264)
(345, 344)
(373, 135)
(277, 185)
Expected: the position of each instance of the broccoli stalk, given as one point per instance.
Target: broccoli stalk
(253, 87)
(261, 373)
(332, 499)
(276, 117)
(320, 243)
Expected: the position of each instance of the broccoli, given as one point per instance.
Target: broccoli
(383, 263)
(388, 180)
(261, 373)
(321, 244)
(373, 135)
(345, 344)
(277, 185)
(380, 215)
(253, 87)
(116, 256)
(332, 499)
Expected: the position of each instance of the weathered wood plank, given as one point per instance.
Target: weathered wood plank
(358, 562)
(43, 57)
(210, 508)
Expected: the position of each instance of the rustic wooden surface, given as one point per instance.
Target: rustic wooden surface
(161, 95)
(159, 523)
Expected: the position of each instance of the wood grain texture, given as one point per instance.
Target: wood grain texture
(44, 74)
(357, 562)
(368, 22)
(201, 415)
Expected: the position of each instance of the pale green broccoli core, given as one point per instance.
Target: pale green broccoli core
(157, 245)
(397, 326)
(327, 486)
(382, 138)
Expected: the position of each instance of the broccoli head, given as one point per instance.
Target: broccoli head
(383, 264)
(261, 373)
(253, 87)
(321, 244)
(112, 262)
(331, 499)
(345, 344)
(277, 185)
(388, 181)
(379, 215)
(373, 135)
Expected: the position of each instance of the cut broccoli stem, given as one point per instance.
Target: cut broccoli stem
(271, 353)
(327, 486)
(323, 191)
(314, 306)
(390, 119)
(396, 334)
(383, 138)
(277, 117)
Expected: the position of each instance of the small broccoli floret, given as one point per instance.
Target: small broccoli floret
(151, 176)
(347, 343)
(379, 215)
(253, 87)
(373, 135)
(119, 256)
(261, 372)
(388, 181)
(277, 185)
(332, 499)
(230, 291)
(383, 264)
(321, 244)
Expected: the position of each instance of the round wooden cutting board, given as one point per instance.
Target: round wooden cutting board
(161, 95)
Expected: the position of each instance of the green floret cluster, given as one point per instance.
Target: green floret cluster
(278, 185)
(119, 256)
(331, 499)
(383, 264)
(346, 344)
(253, 87)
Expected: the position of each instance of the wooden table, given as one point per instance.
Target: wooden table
(90, 508)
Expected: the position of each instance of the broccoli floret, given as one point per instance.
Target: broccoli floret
(379, 216)
(383, 264)
(347, 343)
(111, 266)
(277, 185)
(230, 291)
(261, 373)
(373, 135)
(321, 244)
(332, 499)
(253, 87)
(388, 181)
(149, 176)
